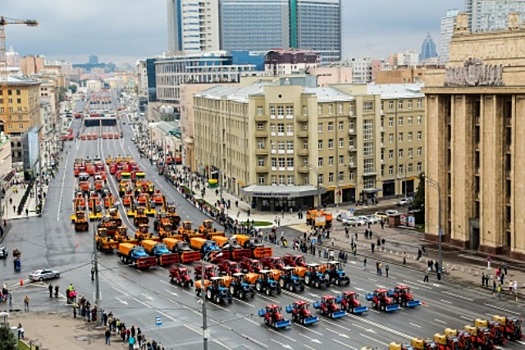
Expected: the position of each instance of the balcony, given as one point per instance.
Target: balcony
(261, 151)
(261, 133)
(302, 152)
(352, 165)
(262, 169)
(352, 149)
(303, 170)
(261, 118)
(302, 134)
(351, 132)
(301, 118)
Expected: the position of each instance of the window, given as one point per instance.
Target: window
(410, 152)
(261, 180)
(368, 149)
(18, 100)
(391, 170)
(289, 145)
(260, 126)
(400, 104)
(391, 105)
(272, 111)
(400, 153)
(20, 126)
(368, 129)
(341, 143)
(305, 110)
(409, 104)
(18, 92)
(368, 166)
(280, 110)
(320, 127)
(330, 126)
(351, 175)
(289, 162)
(419, 167)
(341, 160)
(341, 125)
(341, 176)
(390, 122)
(281, 145)
(273, 145)
(419, 151)
(305, 144)
(291, 180)
(282, 180)
(400, 121)
(319, 110)
(330, 109)
(419, 103)
(260, 110)
(410, 168)
(400, 169)
(273, 128)
(289, 110)
(351, 143)
(419, 135)
(339, 109)
(391, 154)
(368, 106)
(419, 119)
(289, 128)
(274, 162)
(390, 138)
(280, 127)
(320, 161)
(282, 162)
(409, 120)
(330, 177)
(320, 144)
(321, 179)
(331, 144)
(400, 137)
(260, 161)
(331, 160)
(409, 136)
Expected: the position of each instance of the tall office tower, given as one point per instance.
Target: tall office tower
(268, 24)
(193, 25)
(491, 15)
(428, 49)
(93, 59)
(447, 28)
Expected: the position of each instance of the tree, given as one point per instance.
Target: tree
(72, 88)
(419, 199)
(7, 339)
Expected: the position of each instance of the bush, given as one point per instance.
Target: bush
(7, 339)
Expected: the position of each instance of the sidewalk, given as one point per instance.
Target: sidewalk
(13, 197)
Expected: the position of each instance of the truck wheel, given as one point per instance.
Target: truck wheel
(232, 290)
(240, 295)
(217, 299)
(281, 283)
(317, 284)
(258, 286)
(268, 291)
(209, 294)
(198, 292)
(307, 280)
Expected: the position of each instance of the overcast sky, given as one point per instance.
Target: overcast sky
(126, 30)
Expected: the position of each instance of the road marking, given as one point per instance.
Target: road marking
(419, 284)
(369, 330)
(308, 329)
(280, 334)
(141, 302)
(502, 309)
(360, 289)
(118, 290)
(172, 293)
(373, 339)
(456, 296)
(221, 344)
(146, 296)
(466, 318)
(440, 321)
(343, 344)
(377, 325)
(165, 314)
(244, 302)
(521, 342)
(413, 324)
(192, 329)
(314, 295)
(313, 340)
(446, 301)
(122, 301)
(254, 340)
(335, 291)
(273, 300)
(286, 346)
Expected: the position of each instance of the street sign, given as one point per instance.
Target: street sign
(158, 321)
(351, 211)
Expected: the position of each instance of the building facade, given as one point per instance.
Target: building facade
(446, 29)
(428, 49)
(491, 15)
(304, 133)
(286, 62)
(474, 159)
(361, 70)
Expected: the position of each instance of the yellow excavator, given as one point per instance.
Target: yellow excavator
(95, 210)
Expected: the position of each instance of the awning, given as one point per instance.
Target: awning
(371, 190)
(281, 191)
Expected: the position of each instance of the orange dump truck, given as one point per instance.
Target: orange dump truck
(181, 247)
(159, 250)
(135, 255)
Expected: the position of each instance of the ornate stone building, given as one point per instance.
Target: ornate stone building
(475, 145)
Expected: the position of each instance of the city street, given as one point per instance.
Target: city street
(138, 297)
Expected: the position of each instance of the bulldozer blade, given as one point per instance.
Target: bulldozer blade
(390, 308)
(283, 323)
(339, 314)
(413, 303)
(311, 320)
(360, 310)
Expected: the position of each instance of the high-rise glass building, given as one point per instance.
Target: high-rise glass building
(447, 29)
(256, 25)
(428, 49)
(491, 15)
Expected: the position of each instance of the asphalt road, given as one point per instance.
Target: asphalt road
(139, 297)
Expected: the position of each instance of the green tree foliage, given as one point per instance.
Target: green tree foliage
(7, 339)
(72, 88)
(419, 198)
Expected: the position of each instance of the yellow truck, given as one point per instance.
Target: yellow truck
(105, 242)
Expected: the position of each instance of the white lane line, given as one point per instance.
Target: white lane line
(122, 301)
(380, 326)
(373, 339)
(446, 301)
(221, 344)
(457, 296)
(439, 321)
(419, 284)
(343, 344)
(280, 334)
(501, 309)
(118, 290)
(282, 345)
(237, 300)
(272, 300)
(413, 324)
(466, 318)
(192, 329)
(308, 329)
(146, 296)
(313, 340)
(141, 302)
(254, 340)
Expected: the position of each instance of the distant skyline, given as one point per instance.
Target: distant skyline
(122, 31)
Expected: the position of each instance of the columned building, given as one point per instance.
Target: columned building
(475, 149)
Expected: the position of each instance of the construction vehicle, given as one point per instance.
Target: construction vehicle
(464, 338)
(158, 198)
(180, 275)
(289, 280)
(186, 232)
(238, 286)
(333, 271)
(273, 316)
(399, 346)
(401, 295)
(186, 254)
(313, 275)
(109, 160)
(349, 303)
(273, 262)
(95, 210)
(381, 301)
(216, 290)
(209, 272)
(444, 342)
(146, 202)
(125, 183)
(319, 218)
(110, 225)
(109, 200)
(423, 344)
(266, 283)
(301, 313)
(231, 246)
(143, 233)
(131, 254)
(204, 246)
(165, 228)
(140, 217)
(329, 307)
(258, 250)
(206, 229)
(127, 200)
(251, 265)
(294, 260)
(104, 241)
(132, 210)
(496, 330)
(114, 216)
(80, 221)
(511, 326)
(159, 250)
(172, 215)
(142, 184)
(228, 267)
(480, 337)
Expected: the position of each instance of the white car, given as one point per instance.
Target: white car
(44, 274)
(353, 221)
(363, 218)
(391, 212)
(373, 219)
(342, 217)
(405, 201)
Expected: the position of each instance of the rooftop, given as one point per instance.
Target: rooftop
(392, 91)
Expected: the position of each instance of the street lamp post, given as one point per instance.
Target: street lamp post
(316, 171)
(205, 331)
(435, 184)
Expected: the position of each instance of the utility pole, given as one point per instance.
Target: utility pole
(95, 260)
(435, 184)
(316, 172)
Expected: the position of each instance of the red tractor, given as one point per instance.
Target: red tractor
(300, 313)
(401, 295)
(228, 267)
(496, 330)
(294, 260)
(480, 337)
(180, 275)
(251, 265)
(381, 301)
(511, 327)
(273, 262)
(349, 303)
(273, 316)
(329, 307)
(209, 272)
(423, 344)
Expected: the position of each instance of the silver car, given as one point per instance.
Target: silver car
(44, 274)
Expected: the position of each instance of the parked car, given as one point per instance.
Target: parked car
(405, 201)
(342, 217)
(363, 218)
(382, 215)
(353, 221)
(373, 219)
(43, 274)
(391, 212)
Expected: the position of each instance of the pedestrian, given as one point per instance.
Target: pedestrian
(131, 343)
(436, 266)
(26, 303)
(50, 287)
(404, 258)
(372, 246)
(382, 222)
(505, 268)
(419, 253)
(27, 212)
(494, 286)
(364, 263)
(10, 298)
(123, 334)
(483, 279)
(75, 311)
(14, 208)
(426, 276)
(20, 331)
(108, 336)
(386, 270)
(333, 242)
(56, 291)
(93, 273)
(499, 290)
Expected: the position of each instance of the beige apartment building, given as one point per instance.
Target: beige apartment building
(475, 157)
(272, 140)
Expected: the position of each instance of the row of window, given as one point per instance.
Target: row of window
(401, 104)
(400, 121)
(400, 136)
(10, 92)
(10, 100)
